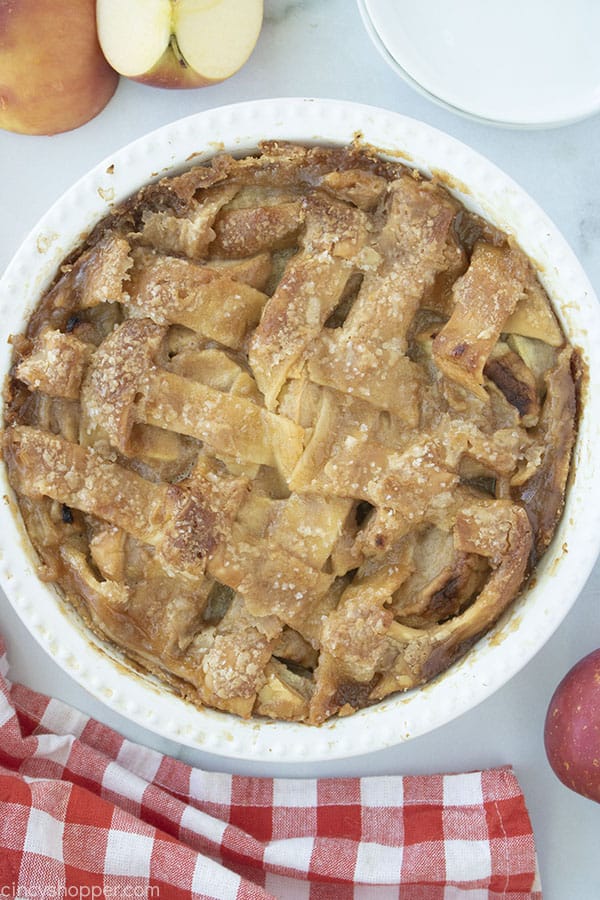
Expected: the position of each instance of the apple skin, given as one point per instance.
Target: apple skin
(172, 72)
(572, 728)
(53, 75)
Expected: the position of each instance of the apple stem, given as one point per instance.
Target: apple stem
(177, 52)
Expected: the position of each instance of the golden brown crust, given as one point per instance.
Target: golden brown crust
(291, 430)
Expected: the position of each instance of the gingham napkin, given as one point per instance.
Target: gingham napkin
(85, 813)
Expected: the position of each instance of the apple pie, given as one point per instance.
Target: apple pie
(292, 431)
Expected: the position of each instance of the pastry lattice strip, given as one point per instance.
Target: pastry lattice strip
(366, 355)
(362, 628)
(275, 556)
(189, 234)
(209, 301)
(124, 384)
(178, 522)
(308, 292)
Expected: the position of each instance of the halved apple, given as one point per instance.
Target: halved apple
(53, 76)
(178, 43)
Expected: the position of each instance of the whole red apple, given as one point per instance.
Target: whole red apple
(572, 728)
(53, 75)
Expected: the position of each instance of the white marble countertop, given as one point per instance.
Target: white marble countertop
(320, 49)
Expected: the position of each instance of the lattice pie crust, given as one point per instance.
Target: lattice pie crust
(292, 430)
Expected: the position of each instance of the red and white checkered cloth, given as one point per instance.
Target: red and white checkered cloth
(85, 813)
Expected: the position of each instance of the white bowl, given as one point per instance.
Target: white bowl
(560, 575)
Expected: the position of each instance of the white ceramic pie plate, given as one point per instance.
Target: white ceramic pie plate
(563, 570)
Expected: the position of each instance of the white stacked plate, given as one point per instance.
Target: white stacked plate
(524, 64)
